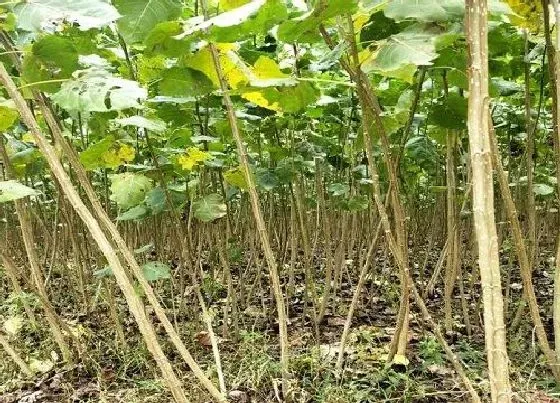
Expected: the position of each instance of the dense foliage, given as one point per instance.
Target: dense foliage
(273, 183)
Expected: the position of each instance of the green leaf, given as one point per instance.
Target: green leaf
(135, 213)
(154, 125)
(52, 58)
(358, 203)
(267, 73)
(154, 271)
(248, 20)
(8, 116)
(162, 40)
(42, 366)
(506, 88)
(408, 49)
(38, 15)
(229, 4)
(12, 190)
(436, 10)
(139, 17)
(450, 112)
(423, 10)
(95, 90)
(92, 157)
(266, 179)
(144, 249)
(209, 208)
(289, 99)
(155, 200)
(180, 81)
(378, 27)
(338, 189)
(306, 28)
(235, 177)
(129, 189)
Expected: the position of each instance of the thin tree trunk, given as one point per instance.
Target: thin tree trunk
(483, 200)
(259, 221)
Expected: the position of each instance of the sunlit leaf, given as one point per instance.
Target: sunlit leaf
(8, 116)
(193, 157)
(236, 178)
(95, 90)
(13, 324)
(406, 50)
(542, 189)
(12, 190)
(306, 28)
(252, 18)
(41, 366)
(129, 189)
(38, 15)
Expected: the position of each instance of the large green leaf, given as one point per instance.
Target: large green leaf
(209, 208)
(266, 179)
(400, 54)
(139, 17)
(286, 99)
(542, 189)
(253, 18)
(338, 189)
(12, 190)
(155, 200)
(163, 39)
(52, 58)
(154, 271)
(450, 112)
(436, 10)
(95, 90)
(181, 81)
(306, 28)
(38, 15)
(135, 213)
(423, 10)
(129, 189)
(92, 157)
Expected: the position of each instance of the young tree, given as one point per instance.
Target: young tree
(476, 15)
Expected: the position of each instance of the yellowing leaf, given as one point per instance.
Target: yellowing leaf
(111, 159)
(202, 61)
(400, 359)
(364, 55)
(266, 73)
(194, 156)
(258, 98)
(235, 177)
(265, 67)
(28, 138)
(527, 13)
(360, 20)
(126, 153)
